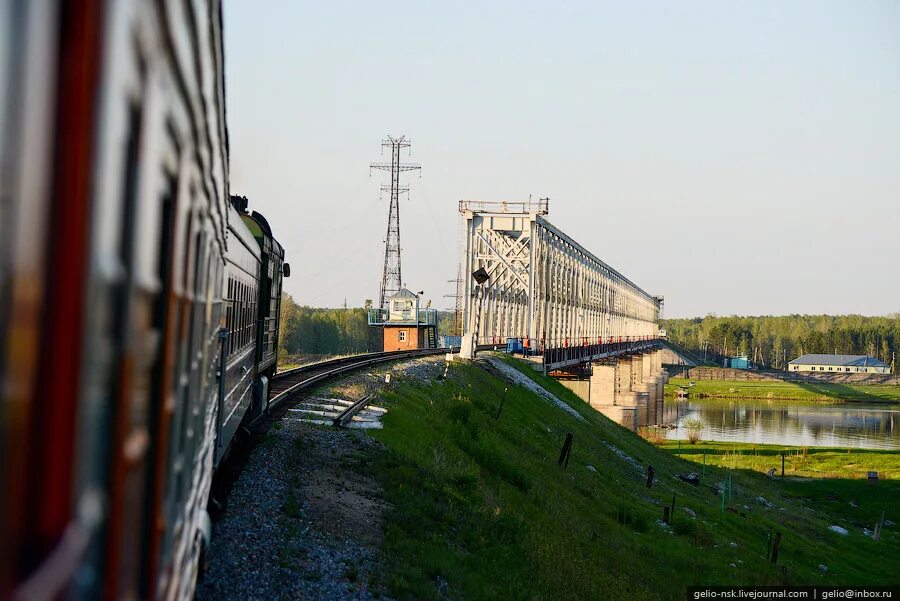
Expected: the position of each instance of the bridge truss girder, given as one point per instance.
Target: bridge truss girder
(543, 286)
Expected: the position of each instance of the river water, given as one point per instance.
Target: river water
(856, 425)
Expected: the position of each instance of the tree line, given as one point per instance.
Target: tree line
(773, 341)
(319, 331)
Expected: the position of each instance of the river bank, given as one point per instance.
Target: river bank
(787, 391)
(482, 506)
(799, 462)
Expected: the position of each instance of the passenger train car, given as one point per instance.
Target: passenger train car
(138, 303)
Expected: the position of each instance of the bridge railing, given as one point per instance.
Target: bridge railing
(564, 351)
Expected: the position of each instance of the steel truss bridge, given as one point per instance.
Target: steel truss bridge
(545, 290)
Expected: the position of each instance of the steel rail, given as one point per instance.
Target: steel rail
(347, 414)
(339, 366)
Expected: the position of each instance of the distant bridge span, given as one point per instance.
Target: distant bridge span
(546, 290)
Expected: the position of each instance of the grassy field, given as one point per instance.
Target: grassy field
(776, 390)
(479, 508)
(799, 462)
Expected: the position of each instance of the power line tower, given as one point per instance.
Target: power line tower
(390, 277)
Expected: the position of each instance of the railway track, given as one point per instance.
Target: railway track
(284, 387)
(287, 383)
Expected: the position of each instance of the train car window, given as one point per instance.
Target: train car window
(232, 308)
(194, 433)
(160, 417)
(183, 360)
(246, 310)
(235, 303)
(123, 474)
(227, 314)
(184, 443)
(208, 292)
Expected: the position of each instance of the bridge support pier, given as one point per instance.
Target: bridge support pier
(624, 393)
(628, 390)
(603, 384)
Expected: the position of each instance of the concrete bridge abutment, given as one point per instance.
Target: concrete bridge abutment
(628, 390)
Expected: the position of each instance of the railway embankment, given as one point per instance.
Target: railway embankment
(468, 491)
(480, 507)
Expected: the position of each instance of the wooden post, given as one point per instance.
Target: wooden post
(775, 547)
(666, 515)
(673, 506)
(650, 473)
(565, 452)
(502, 399)
(782, 464)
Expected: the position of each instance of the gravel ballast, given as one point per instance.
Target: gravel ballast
(300, 522)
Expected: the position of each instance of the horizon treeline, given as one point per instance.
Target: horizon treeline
(775, 340)
(319, 331)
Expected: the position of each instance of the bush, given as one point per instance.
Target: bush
(694, 427)
(652, 434)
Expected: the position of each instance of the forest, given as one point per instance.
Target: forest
(772, 341)
(317, 331)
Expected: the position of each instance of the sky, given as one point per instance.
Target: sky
(735, 157)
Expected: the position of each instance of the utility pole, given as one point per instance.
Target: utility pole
(390, 276)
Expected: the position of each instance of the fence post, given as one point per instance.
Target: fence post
(565, 452)
(502, 399)
(775, 547)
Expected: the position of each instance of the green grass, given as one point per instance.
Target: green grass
(799, 462)
(777, 390)
(479, 508)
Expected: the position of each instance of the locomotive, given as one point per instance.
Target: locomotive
(139, 301)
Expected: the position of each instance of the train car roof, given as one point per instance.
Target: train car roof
(258, 225)
(244, 236)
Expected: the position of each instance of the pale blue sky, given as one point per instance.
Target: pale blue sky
(736, 157)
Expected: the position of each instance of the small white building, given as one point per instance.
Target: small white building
(845, 364)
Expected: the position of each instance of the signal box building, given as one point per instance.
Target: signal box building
(406, 325)
(845, 364)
